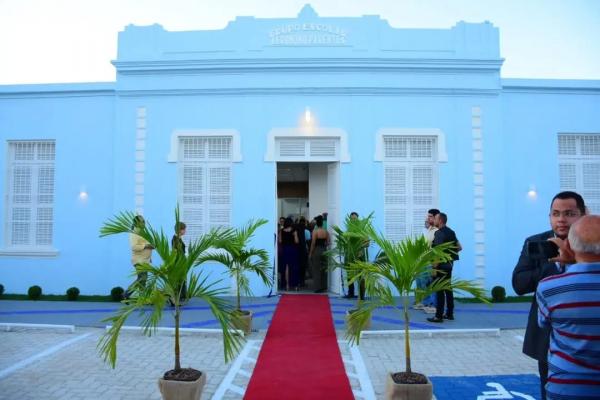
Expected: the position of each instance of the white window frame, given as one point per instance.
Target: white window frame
(31, 248)
(306, 139)
(207, 164)
(588, 188)
(413, 222)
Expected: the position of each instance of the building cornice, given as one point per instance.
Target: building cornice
(261, 65)
(58, 90)
(311, 91)
(550, 86)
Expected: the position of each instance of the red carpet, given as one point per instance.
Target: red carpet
(300, 358)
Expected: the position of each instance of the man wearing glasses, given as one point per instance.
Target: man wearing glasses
(565, 208)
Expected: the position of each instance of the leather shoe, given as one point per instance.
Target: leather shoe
(435, 319)
(449, 317)
(349, 297)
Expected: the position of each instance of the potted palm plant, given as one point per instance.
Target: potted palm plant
(351, 245)
(396, 270)
(164, 282)
(241, 260)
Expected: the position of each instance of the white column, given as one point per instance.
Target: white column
(478, 194)
(140, 159)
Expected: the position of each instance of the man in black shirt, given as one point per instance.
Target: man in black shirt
(444, 271)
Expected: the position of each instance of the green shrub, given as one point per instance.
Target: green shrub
(1, 289)
(498, 294)
(34, 292)
(117, 293)
(72, 293)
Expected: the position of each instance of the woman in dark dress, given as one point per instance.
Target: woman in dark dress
(318, 260)
(300, 228)
(288, 238)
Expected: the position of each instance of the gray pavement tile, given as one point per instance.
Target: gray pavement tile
(76, 371)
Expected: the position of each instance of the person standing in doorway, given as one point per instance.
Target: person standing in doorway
(318, 260)
(141, 253)
(288, 239)
(565, 209)
(280, 266)
(300, 228)
(444, 271)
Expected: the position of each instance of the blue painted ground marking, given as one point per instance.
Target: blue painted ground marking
(112, 310)
(346, 305)
(488, 387)
(209, 322)
(200, 324)
(401, 322)
(484, 311)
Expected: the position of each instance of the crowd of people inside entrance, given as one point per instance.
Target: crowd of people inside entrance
(300, 254)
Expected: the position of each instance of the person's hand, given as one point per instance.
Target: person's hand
(565, 254)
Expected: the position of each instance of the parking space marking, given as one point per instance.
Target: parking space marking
(7, 371)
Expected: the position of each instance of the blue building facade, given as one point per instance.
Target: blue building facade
(270, 117)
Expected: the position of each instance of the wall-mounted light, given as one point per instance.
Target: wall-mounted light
(83, 195)
(532, 193)
(307, 115)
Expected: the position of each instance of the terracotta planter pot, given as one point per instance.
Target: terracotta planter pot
(181, 390)
(244, 323)
(406, 391)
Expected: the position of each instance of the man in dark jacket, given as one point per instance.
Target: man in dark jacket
(565, 209)
(444, 271)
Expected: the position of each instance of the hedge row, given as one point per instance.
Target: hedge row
(35, 293)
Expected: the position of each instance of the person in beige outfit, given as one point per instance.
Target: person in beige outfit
(141, 252)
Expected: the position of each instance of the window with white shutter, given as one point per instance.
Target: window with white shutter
(410, 184)
(205, 183)
(30, 195)
(579, 167)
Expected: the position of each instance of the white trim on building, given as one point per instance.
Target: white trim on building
(236, 149)
(307, 145)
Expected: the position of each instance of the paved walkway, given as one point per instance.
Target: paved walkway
(59, 364)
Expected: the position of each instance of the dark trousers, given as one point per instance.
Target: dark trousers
(543, 370)
(444, 297)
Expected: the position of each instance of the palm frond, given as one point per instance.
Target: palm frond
(239, 259)
(165, 282)
(397, 266)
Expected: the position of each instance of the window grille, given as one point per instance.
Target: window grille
(323, 147)
(307, 149)
(30, 195)
(579, 167)
(410, 184)
(205, 183)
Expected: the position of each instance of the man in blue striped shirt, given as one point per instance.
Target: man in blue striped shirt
(570, 304)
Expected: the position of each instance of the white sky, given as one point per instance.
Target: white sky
(48, 41)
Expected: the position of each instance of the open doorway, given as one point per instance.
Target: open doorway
(305, 190)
